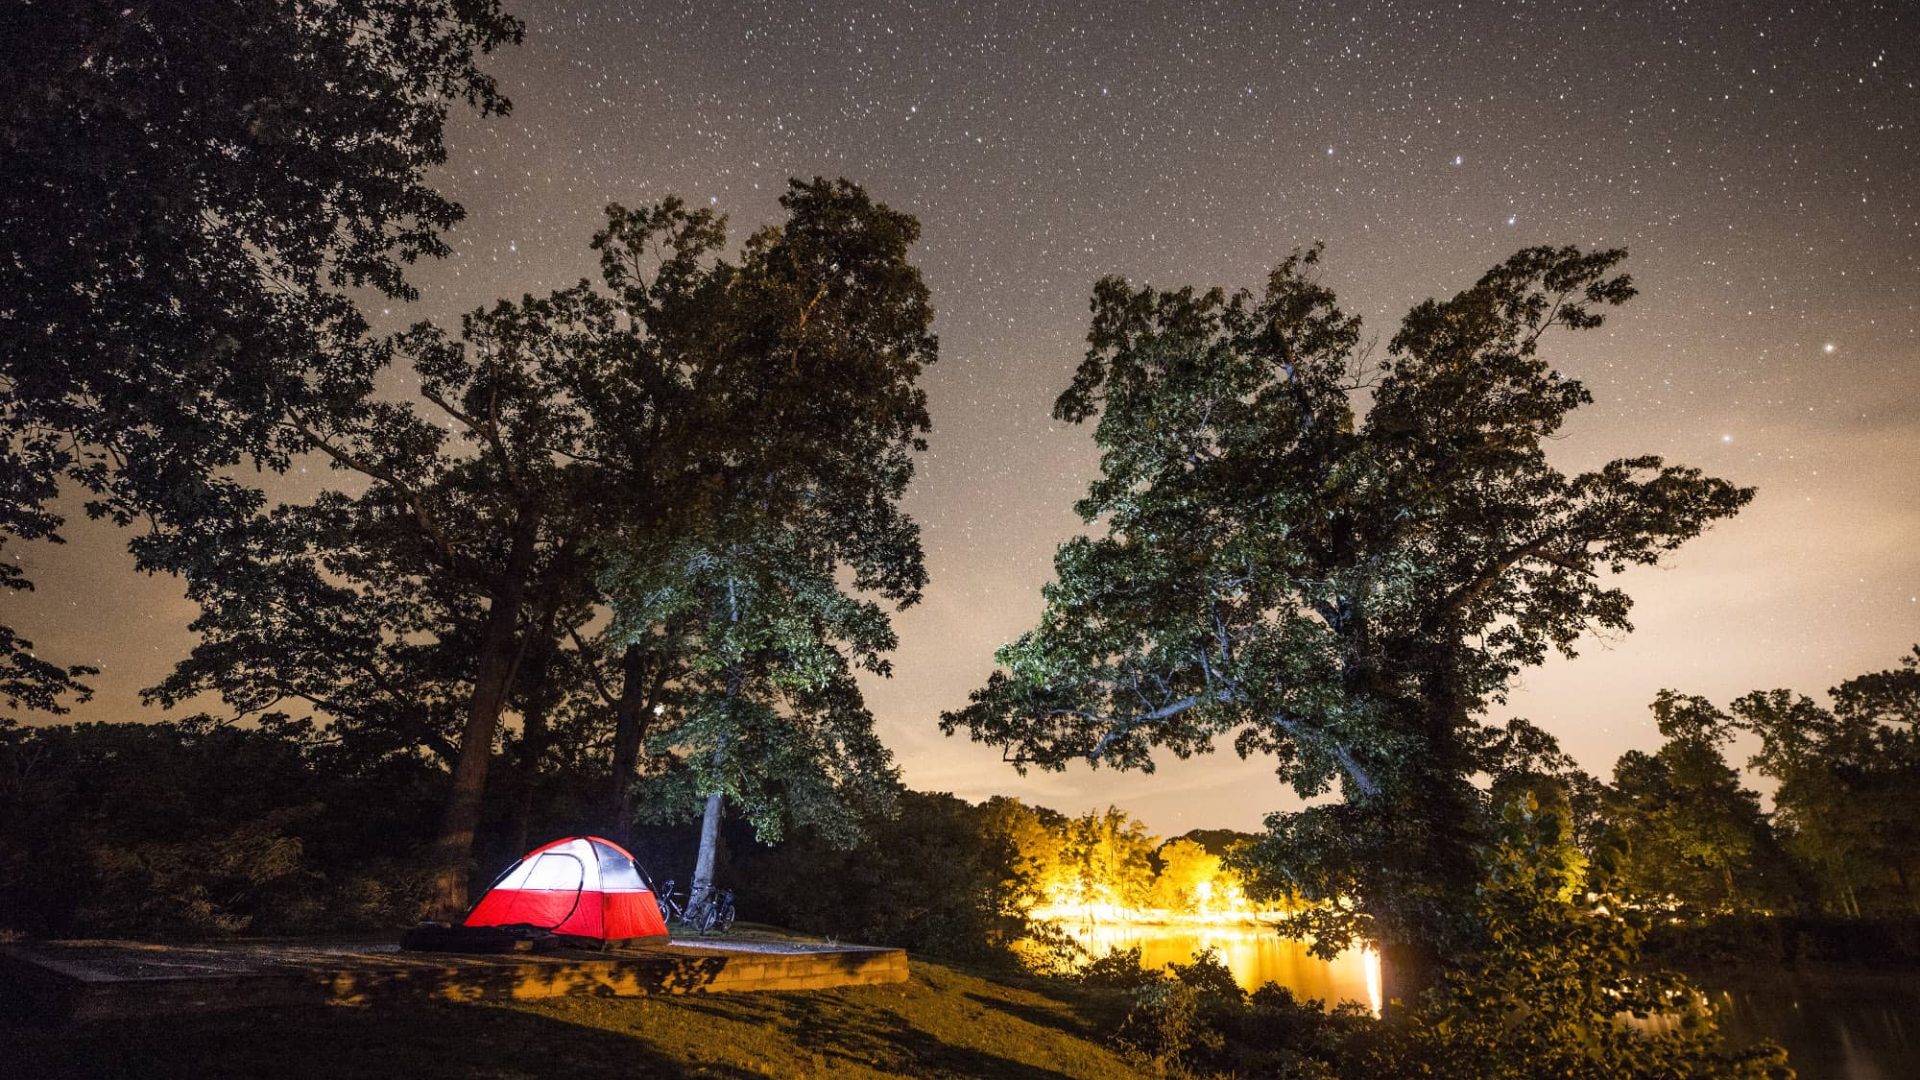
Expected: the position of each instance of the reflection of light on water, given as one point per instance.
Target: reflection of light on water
(1254, 954)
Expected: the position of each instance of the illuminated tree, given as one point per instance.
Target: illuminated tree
(1036, 839)
(1192, 880)
(191, 189)
(1106, 861)
(768, 717)
(1344, 588)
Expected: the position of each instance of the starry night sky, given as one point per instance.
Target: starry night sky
(1761, 161)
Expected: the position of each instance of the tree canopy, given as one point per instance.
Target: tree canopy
(1695, 836)
(1848, 776)
(190, 192)
(1336, 562)
(683, 408)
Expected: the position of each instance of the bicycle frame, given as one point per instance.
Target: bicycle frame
(714, 909)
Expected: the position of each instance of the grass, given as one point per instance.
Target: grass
(943, 1022)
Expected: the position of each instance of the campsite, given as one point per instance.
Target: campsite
(1323, 541)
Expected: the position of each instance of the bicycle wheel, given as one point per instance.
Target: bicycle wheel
(725, 921)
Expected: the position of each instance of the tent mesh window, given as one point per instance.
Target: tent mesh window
(617, 872)
(556, 872)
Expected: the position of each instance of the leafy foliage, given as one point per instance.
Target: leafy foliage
(191, 190)
(1559, 989)
(1345, 591)
(756, 420)
(1106, 859)
(1848, 800)
(1552, 991)
(935, 876)
(1695, 835)
(197, 828)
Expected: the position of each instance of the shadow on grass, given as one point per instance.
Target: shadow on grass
(1055, 1019)
(334, 1043)
(879, 1038)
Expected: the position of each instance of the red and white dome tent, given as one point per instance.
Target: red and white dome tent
(582, 889)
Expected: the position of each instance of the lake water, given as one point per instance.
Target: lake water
(1851, 1025)
(1836, 1025)
(1255, 955)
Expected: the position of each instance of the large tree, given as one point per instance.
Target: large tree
(1346, 587)
(769, 595)
(467, 537)
(188, 191)
(553, 434)
(768, 717)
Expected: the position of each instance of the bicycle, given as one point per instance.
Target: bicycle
(714, 914)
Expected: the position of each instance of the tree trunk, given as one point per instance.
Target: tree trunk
(1406, 970)
(535, 734)
(533, 747)
(710, 817)
(709, 850)
(453, 850)
(1432, 829)
(632, 716)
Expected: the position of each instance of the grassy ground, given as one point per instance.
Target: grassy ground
(944, 1022)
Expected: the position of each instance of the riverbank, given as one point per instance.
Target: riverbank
(944, 1021)
(1892, 943)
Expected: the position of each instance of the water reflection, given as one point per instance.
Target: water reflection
(1836, 1024)
(1255, 955)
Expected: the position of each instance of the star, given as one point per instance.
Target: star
(1184, 178)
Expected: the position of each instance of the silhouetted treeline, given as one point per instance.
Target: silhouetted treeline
(200, 828)
(194, 828)
(1843, 837)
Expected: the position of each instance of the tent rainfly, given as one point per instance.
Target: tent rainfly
(579, 887)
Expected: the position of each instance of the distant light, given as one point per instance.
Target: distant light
(1512, 218)
(1376, 996)
(1456, 159)
(1828, 347)
(1726, 438)
(1329, 151)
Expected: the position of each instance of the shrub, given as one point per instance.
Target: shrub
(1558, 987)
(1165, 1030)
(1119, 969)
(1210, 978)
(1050, 952)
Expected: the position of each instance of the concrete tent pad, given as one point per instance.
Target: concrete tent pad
(84, 980)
